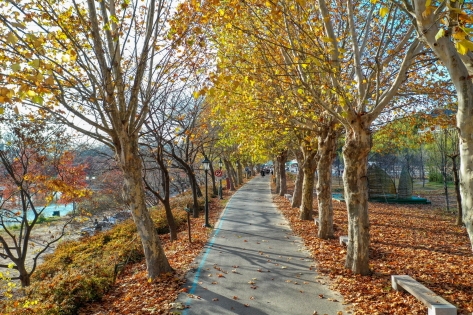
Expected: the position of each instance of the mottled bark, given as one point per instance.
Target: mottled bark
(282, 158)
(239, 172)
(355, 153)
(327, 141)
(297, 194)
(230, 174)
(277, 174)
(308, 167)
(134, 194)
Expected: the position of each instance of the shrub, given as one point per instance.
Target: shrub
(437, 177)
(82, 271)
(41, 219)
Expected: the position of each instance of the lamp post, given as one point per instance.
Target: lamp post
(206, 164)
(220, 191)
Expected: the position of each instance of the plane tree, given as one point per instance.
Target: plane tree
(349, 59)
(366, 64)
(445, 26)
(95, 66)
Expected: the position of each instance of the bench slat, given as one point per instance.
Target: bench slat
(435, 303)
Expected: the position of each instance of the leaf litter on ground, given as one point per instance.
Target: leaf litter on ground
(417, 240)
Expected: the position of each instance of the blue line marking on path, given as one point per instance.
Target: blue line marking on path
(202, 262)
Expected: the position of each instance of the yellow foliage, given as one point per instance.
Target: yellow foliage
(459, 34)
(440, 34)
(464, 46)
(383, 11)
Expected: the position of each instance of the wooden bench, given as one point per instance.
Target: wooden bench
(288, 197)
(344, 240)
(435, 304)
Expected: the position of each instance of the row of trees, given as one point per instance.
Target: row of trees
(116, 72)
(266, 78)
(304, 73)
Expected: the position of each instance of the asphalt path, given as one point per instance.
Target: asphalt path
(254, 264)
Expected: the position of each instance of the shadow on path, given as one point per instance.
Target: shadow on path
(253, 264)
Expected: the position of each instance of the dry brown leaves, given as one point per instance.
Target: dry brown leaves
(415, 240)
(134, 294)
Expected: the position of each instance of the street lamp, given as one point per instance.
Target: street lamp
(220, 191)
(206, 164)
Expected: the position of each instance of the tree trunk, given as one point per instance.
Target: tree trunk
(134, 194)
(445, 186)
(456, 181)
(443, 168)
(422, 170)
(195, 200)
(165, 199)
(282, 158)
(297, 194)
(308, 167)
(252, 169)
(239, 172)
(277, 174)
(229, 168)
(25, 279)
(327, 141)
(466, 165)
(234, 176)
(167, 196)
(171, 222)
(214, 182)
(196, 192)
(355, 153)
(460, 72)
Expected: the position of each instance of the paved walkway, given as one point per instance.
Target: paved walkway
(253, 264)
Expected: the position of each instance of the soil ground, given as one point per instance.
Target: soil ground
(41, 234)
